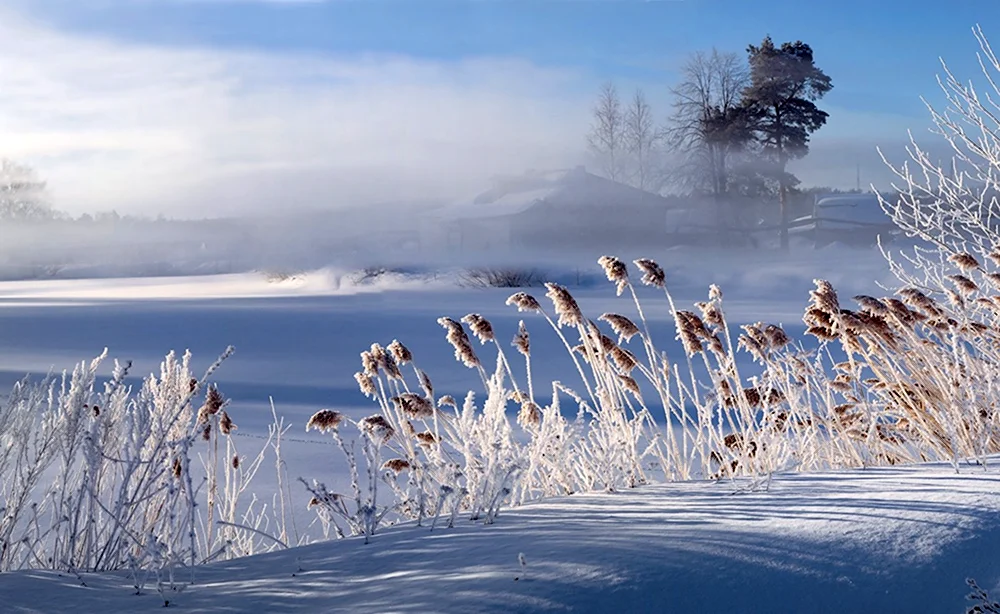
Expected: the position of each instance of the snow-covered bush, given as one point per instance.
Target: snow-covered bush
(501, 277)
(106, 478)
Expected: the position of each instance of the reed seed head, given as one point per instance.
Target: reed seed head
(652, 274)
(521, 340)
(963, 283)
(530, 414)
(624, 360)
(524, 302)
(871, 304)
(400, 352)
(369, 366)
(964, 261)
(413, 405)
(824, 296)
(480, 327)
(226, 423)
(377, 428)
(396, 465)
(455, 335)
(628, 383)
(325, 420)
(623, 327)
(385, 361)
(616, 271)
(565, 305)
(366, 383)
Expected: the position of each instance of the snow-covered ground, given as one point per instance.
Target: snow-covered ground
(882, 540)
(876, 540)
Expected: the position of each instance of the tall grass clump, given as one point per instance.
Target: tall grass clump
(906, 377)
(106, 477)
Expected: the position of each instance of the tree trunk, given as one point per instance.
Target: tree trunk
(783, 199)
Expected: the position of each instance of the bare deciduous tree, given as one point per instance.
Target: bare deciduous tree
(707, 127)
(607, 133)
(641, 137)
(22, 194)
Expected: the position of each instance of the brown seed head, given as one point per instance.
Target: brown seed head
(396, 465)
(226, 423)
(214, 400)
(400, 352)
(616, 271)
(623, 327)
(480, 327)
(625, 360)
(964, 261)
(386, 362)
(824, 296)
(652, 274)
(369, 366)
(325, 420)
(963, 283)
(628, 383)
(565, 305)
(413, 405)
(690, 330)
(377, 428)
(455, 335)
(366, 383)
(871, 304)
(530, 414)
(776, 336)
(426, 438)
(712, 315)
(521, 340)
(524, 302)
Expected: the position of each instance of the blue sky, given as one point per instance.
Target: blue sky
(882, 56)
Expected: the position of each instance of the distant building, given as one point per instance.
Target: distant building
(853, 219)
(556, 209)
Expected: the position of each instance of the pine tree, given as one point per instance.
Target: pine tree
(784, 85)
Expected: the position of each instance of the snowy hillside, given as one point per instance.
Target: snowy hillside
(876, 540)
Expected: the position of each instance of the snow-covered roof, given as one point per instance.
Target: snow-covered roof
(514, 195)
(851, 209)
(508, 204)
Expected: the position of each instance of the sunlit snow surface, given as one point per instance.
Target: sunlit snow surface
(877, 540)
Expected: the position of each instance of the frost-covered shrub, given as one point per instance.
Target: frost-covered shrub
(501, 277)
(104, 477)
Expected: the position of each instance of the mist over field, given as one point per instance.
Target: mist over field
(498, 306)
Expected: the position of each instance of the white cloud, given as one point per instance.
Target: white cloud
(144, 128)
